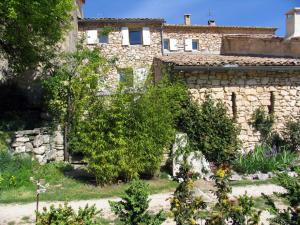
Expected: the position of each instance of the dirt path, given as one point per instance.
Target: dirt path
(17, 212)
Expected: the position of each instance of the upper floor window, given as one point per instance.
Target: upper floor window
(135, 37)
(195, 45)
(166, 44)
(102, 37)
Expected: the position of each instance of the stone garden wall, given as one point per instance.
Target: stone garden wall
(42, 145)
(252, 89)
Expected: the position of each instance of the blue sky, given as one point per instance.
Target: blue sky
(225, 12)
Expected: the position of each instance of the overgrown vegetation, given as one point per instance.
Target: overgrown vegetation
(210, 130)
(291, 135)
(291, 214)
(265, 160)
(185, 207)
(133, 209)
(40, 25)
(65, 215)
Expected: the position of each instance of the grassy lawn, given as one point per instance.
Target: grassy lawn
(68, 189)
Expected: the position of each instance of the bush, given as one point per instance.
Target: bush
(237, 211)
(132, 210)
(125, 135)
(263, 159)
(210, 130)
(290, 215)
(185, 206)
(263, 123)
(291, 135)
(65, 215)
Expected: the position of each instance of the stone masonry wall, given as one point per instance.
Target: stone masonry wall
(40, 144)
(209, 38)
(253, 89)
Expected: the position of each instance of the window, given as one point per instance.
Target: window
(126, 77)
(103, 38)
(135, 37)
(166, 44)
(195, 45)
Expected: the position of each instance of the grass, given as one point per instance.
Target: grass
(65, 187)
(252, 182)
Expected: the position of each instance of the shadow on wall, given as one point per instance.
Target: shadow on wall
(17, 112)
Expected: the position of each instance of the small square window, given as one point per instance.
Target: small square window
(166, 44)
(195, 45)
(103, 38)
(126, 77)
(135, 37)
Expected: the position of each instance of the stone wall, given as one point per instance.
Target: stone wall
(253, 89)
(42, 145)
(272, 46)
(209, 38)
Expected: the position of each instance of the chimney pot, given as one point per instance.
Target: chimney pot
(293, 23)
(212, 23)
(187, 19)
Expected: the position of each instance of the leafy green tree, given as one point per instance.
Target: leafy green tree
(133, 209)
(74, 86)
(31, 29)
(290, 215)
(124, 135)
(210, 130)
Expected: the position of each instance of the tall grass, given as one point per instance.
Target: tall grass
(263, 159)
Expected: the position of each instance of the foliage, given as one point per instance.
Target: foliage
(291, 135)
(210, 130)
(74, 86)
(31, 29)
(237, 211)
(264, 159)
(16, 170)
(263, 123)
(290, 215)
(106, 30)
(65, 215)
(184, 205)
(124, 135)
(132, 210)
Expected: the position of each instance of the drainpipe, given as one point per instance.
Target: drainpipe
(162, 39)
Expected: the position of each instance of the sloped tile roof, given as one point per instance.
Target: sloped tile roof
(197, 26)
(226, 61)
(122, 20)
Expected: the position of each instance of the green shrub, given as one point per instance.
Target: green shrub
(238, 211)
(65, 215)
(132, 210)
(185, 206)
(210, 130)
(263, 123)
(126, 134)
(263, 159)
(291, 214)
(291, 135)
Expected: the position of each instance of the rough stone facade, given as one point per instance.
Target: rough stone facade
(252, 89)
(40, 144)
(210, 38)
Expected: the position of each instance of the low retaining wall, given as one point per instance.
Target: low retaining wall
(43, 145)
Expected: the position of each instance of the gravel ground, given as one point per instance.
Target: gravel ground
(17, 212)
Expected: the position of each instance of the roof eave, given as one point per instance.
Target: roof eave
(237, 68)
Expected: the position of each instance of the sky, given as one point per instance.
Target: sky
(268, 13)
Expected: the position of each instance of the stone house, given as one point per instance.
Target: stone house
(246, 67)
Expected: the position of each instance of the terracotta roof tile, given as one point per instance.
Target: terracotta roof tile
(122, 20)
(197, 26)
(226, 61)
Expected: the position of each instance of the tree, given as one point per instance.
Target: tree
(31, 29)
(74, 87)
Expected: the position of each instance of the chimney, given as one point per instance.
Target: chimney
(212, 23)
(293, 23)
(187, 19)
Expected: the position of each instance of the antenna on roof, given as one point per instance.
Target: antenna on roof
(211, 20)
